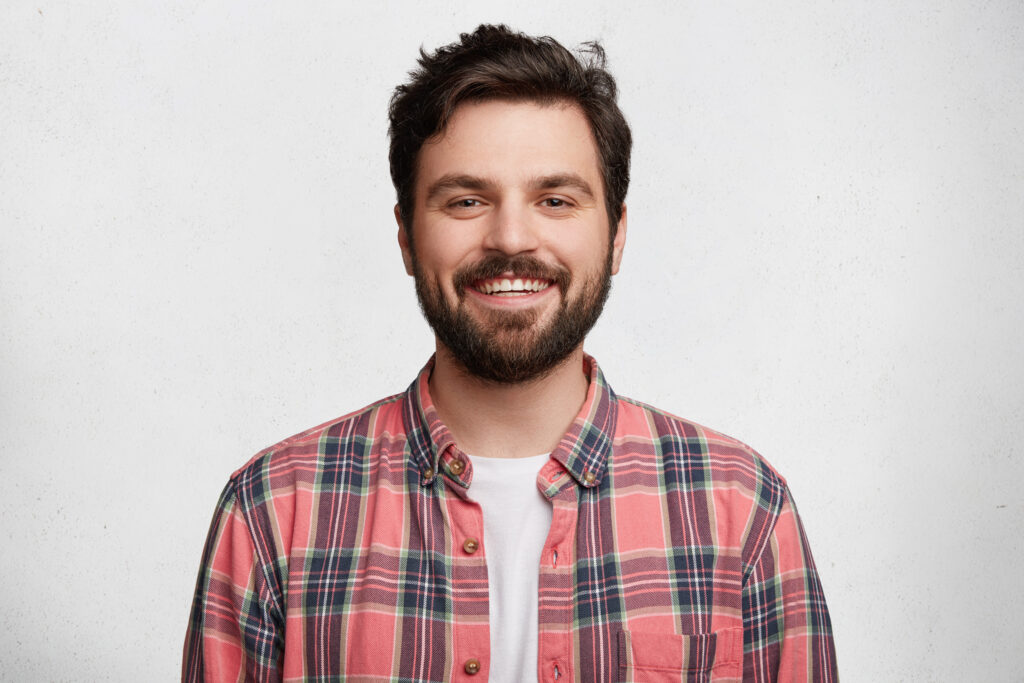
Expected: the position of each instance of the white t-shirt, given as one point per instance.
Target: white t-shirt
(517, 518)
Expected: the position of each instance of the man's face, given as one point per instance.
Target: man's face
(510, 237)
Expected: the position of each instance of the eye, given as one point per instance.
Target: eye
(466, 203)
(555, 203)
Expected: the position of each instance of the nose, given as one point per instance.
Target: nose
(512, 230)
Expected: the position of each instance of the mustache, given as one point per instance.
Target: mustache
(522, 265)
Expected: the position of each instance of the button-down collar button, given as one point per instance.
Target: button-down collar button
(589, 477)
(457, 466)
(428, 473)
(470, 545)
(472, 666)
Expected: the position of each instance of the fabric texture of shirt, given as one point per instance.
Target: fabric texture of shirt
(352, 552)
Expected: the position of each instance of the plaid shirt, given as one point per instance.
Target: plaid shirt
(354, 550)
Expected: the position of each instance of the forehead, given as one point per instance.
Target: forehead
(512, 141)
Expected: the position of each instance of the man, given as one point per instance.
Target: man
(508, 517)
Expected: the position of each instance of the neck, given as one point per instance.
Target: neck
(507, 420)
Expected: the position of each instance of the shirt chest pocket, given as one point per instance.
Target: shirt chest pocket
(646, 657)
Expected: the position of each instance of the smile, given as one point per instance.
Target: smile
(511, 286)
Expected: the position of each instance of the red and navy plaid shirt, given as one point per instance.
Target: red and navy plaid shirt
(354, 550)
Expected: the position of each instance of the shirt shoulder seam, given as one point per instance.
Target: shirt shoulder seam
(776, 513)
(274, 598)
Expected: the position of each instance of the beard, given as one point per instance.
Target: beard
(508, 347)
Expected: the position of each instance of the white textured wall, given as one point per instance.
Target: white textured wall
(825, 259)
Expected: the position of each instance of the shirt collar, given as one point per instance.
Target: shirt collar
(583, 450)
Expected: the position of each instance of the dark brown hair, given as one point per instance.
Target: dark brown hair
(494, 62)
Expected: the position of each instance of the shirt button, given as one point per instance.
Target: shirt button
(589, 477)
(472, 666)
(470, 545)
(457, 466)
(428, 473)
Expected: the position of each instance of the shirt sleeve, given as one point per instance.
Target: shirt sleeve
(234, 632)
(787, 631)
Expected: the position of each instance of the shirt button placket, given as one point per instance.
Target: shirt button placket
(468, 524)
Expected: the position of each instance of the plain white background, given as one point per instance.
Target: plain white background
(198, 258)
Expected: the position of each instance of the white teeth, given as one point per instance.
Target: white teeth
(516, 286)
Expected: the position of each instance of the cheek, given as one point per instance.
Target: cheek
(586, 258)
(443, 248)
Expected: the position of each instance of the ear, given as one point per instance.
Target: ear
(403, 241)
(619, 241)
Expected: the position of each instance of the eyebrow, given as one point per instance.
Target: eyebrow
(455, 181)
(573, 180)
